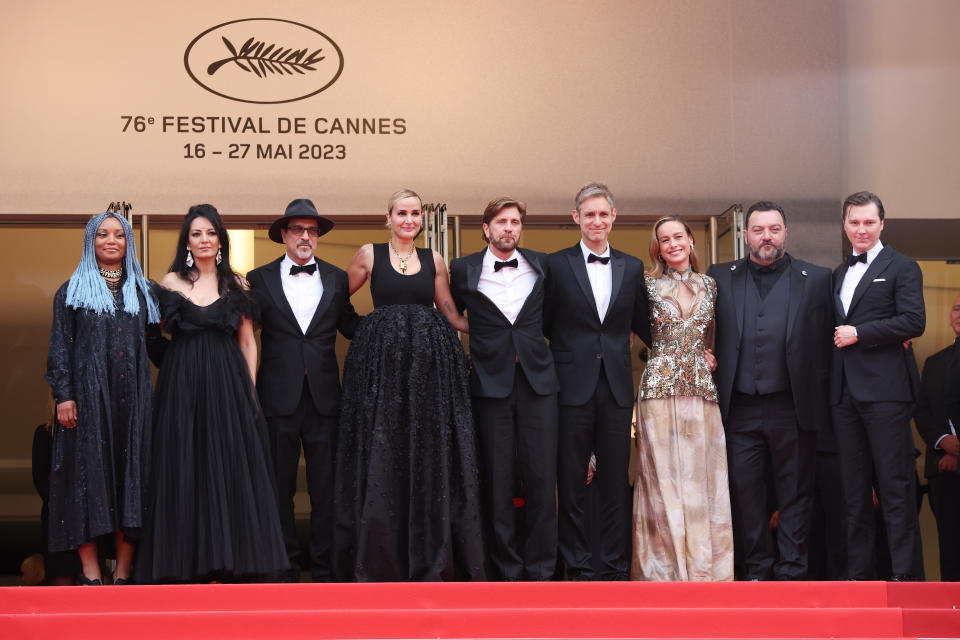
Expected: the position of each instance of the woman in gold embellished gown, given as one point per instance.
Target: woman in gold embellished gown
(681, 500)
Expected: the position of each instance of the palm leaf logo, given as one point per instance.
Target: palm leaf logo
(260, 59)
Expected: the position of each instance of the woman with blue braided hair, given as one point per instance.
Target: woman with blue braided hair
(99, 371)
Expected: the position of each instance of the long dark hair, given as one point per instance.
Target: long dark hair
(227, 278)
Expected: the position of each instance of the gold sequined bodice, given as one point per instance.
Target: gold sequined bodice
(677, 366)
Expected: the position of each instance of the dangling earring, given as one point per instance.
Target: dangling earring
(189, 259)
(219, 256)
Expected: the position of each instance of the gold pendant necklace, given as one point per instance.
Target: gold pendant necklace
(402, 259)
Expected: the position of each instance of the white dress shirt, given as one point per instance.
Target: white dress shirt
(953, 432)
(509, 287)
(601, 279)
(854, 274)
(303, 292)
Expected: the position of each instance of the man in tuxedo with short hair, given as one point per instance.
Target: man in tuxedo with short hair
(878, 295)
(596, 298)
(303, 301)
(773, 326)
(513, 385)
(939, 432)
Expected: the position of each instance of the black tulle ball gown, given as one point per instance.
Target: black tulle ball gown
(407, 491)
(212, 513)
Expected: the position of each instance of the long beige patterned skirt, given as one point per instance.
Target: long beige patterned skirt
(681, 499)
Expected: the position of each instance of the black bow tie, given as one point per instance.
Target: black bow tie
(309, 269)
(852, 260)
(497, 265)
(595, 258)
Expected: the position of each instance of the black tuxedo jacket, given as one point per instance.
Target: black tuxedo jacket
(808, 339)
(931, 414)
(580, 342)
(887, 308)
(495, 344)
(951, 389)
(286, 353)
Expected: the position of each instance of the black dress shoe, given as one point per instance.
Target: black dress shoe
(84, 581)
(901, 577)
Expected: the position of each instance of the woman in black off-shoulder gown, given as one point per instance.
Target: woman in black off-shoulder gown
(213, 513)
(407, 490)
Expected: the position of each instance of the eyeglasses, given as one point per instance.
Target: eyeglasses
(298, 230)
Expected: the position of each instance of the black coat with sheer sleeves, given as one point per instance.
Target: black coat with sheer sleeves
(99, 467)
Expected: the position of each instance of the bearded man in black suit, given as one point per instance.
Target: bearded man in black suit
(878, 296)
(596, 298)
(513, 386)
(773, 330)
(304, 301)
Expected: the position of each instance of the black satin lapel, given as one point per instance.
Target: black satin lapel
(537, 286)
(532, 259)
(534, 293)
(473, 274)
(579, 268)
(738, 283)
(619, 267)
(838, 275)
(873, 270)
(797, 283)
(271, 276)
(329, 281)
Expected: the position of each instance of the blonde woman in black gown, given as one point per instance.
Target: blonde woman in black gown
(407, 491)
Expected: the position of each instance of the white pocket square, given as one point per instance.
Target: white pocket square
(879, 279)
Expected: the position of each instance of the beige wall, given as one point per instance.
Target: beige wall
(681, 105)
(901, 62)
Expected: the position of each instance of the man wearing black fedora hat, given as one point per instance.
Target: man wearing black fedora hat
(304, 301)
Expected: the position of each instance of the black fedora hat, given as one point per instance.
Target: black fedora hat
(299, 208)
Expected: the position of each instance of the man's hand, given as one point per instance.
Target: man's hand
(844, 336)
(951, 445)
(947, 464)
(711, 359)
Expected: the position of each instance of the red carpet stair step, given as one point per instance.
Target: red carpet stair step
(486, 610)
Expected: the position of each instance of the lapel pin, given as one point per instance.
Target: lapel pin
(733, 267)
(803, 273)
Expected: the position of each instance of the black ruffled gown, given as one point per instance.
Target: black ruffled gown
(213, 509)
(98, 468)
(407, 490)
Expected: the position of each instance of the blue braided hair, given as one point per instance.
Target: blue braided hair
(87, 288)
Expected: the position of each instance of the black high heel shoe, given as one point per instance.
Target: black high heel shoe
(122, 581)
(84, 581)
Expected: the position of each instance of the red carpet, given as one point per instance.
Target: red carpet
(486, 610)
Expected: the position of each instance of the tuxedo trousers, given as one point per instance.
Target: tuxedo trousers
(316, 434)
(876, 451)
(518, 441)
(599, 426)
(945, 502)
(762, 432)
(828, 532)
